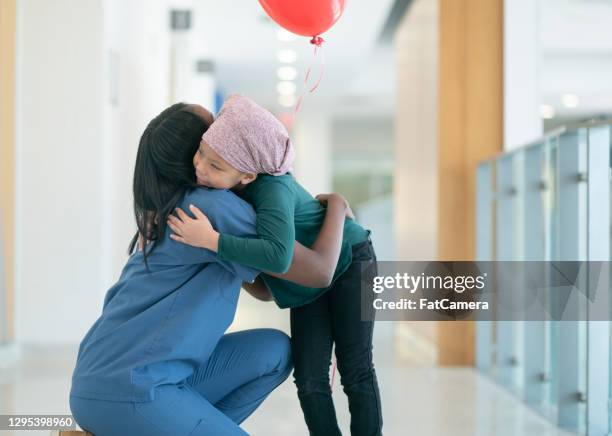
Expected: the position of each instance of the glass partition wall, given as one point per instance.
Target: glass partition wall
(550, 201)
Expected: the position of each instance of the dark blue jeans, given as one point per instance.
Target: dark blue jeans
(335, 317)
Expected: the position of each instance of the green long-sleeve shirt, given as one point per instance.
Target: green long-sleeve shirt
(286, 212)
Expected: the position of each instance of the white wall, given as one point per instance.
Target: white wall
(416, 143)
(551, 48)
(522, 72)
(187, 85)
(312, 136)
(59, 149)
(77, 136)
(137, 60)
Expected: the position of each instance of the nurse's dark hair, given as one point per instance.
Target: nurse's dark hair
(164, 170)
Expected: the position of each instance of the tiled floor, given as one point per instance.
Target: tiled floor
(416, 401)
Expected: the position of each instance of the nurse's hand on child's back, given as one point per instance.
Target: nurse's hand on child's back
(324, 199)
(197, 231)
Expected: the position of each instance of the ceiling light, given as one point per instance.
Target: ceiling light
(570, 100)
(287, 100)
(547, 111)
(285, 36)
(287, 56)
(286, 88)
(287, 73)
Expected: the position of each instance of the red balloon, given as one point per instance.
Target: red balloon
(305, 17)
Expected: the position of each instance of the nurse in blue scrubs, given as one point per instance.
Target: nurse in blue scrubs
(157, 361)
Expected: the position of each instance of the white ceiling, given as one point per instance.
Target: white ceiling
(242, 41)
(575, 42)
(576, 47)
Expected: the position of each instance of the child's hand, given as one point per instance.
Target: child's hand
(325, 199)
(196, 232)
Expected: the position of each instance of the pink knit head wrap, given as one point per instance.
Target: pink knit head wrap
(250, 138)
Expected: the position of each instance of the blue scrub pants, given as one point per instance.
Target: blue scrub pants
(244, 368)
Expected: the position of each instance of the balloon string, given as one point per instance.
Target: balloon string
(317, 41)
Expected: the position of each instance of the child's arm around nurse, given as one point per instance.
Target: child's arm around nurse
(243, 150)
(312, 267)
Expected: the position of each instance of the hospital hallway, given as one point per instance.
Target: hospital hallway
(417, 399)
(461, 133)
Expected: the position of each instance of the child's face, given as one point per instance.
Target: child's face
(214, 172)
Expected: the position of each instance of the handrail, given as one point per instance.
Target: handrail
(557, 131)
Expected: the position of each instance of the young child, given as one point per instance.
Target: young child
(249, 151)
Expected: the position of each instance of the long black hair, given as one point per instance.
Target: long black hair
(164, 170)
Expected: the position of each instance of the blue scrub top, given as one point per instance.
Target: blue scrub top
(156, 327)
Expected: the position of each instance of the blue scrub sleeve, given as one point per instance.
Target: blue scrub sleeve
(228, 213)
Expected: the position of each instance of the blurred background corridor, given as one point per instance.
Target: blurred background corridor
(451, 126)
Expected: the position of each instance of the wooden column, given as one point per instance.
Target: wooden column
(7, 152)
(470, 129)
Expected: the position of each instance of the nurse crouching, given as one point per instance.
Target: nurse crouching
(157, 361)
